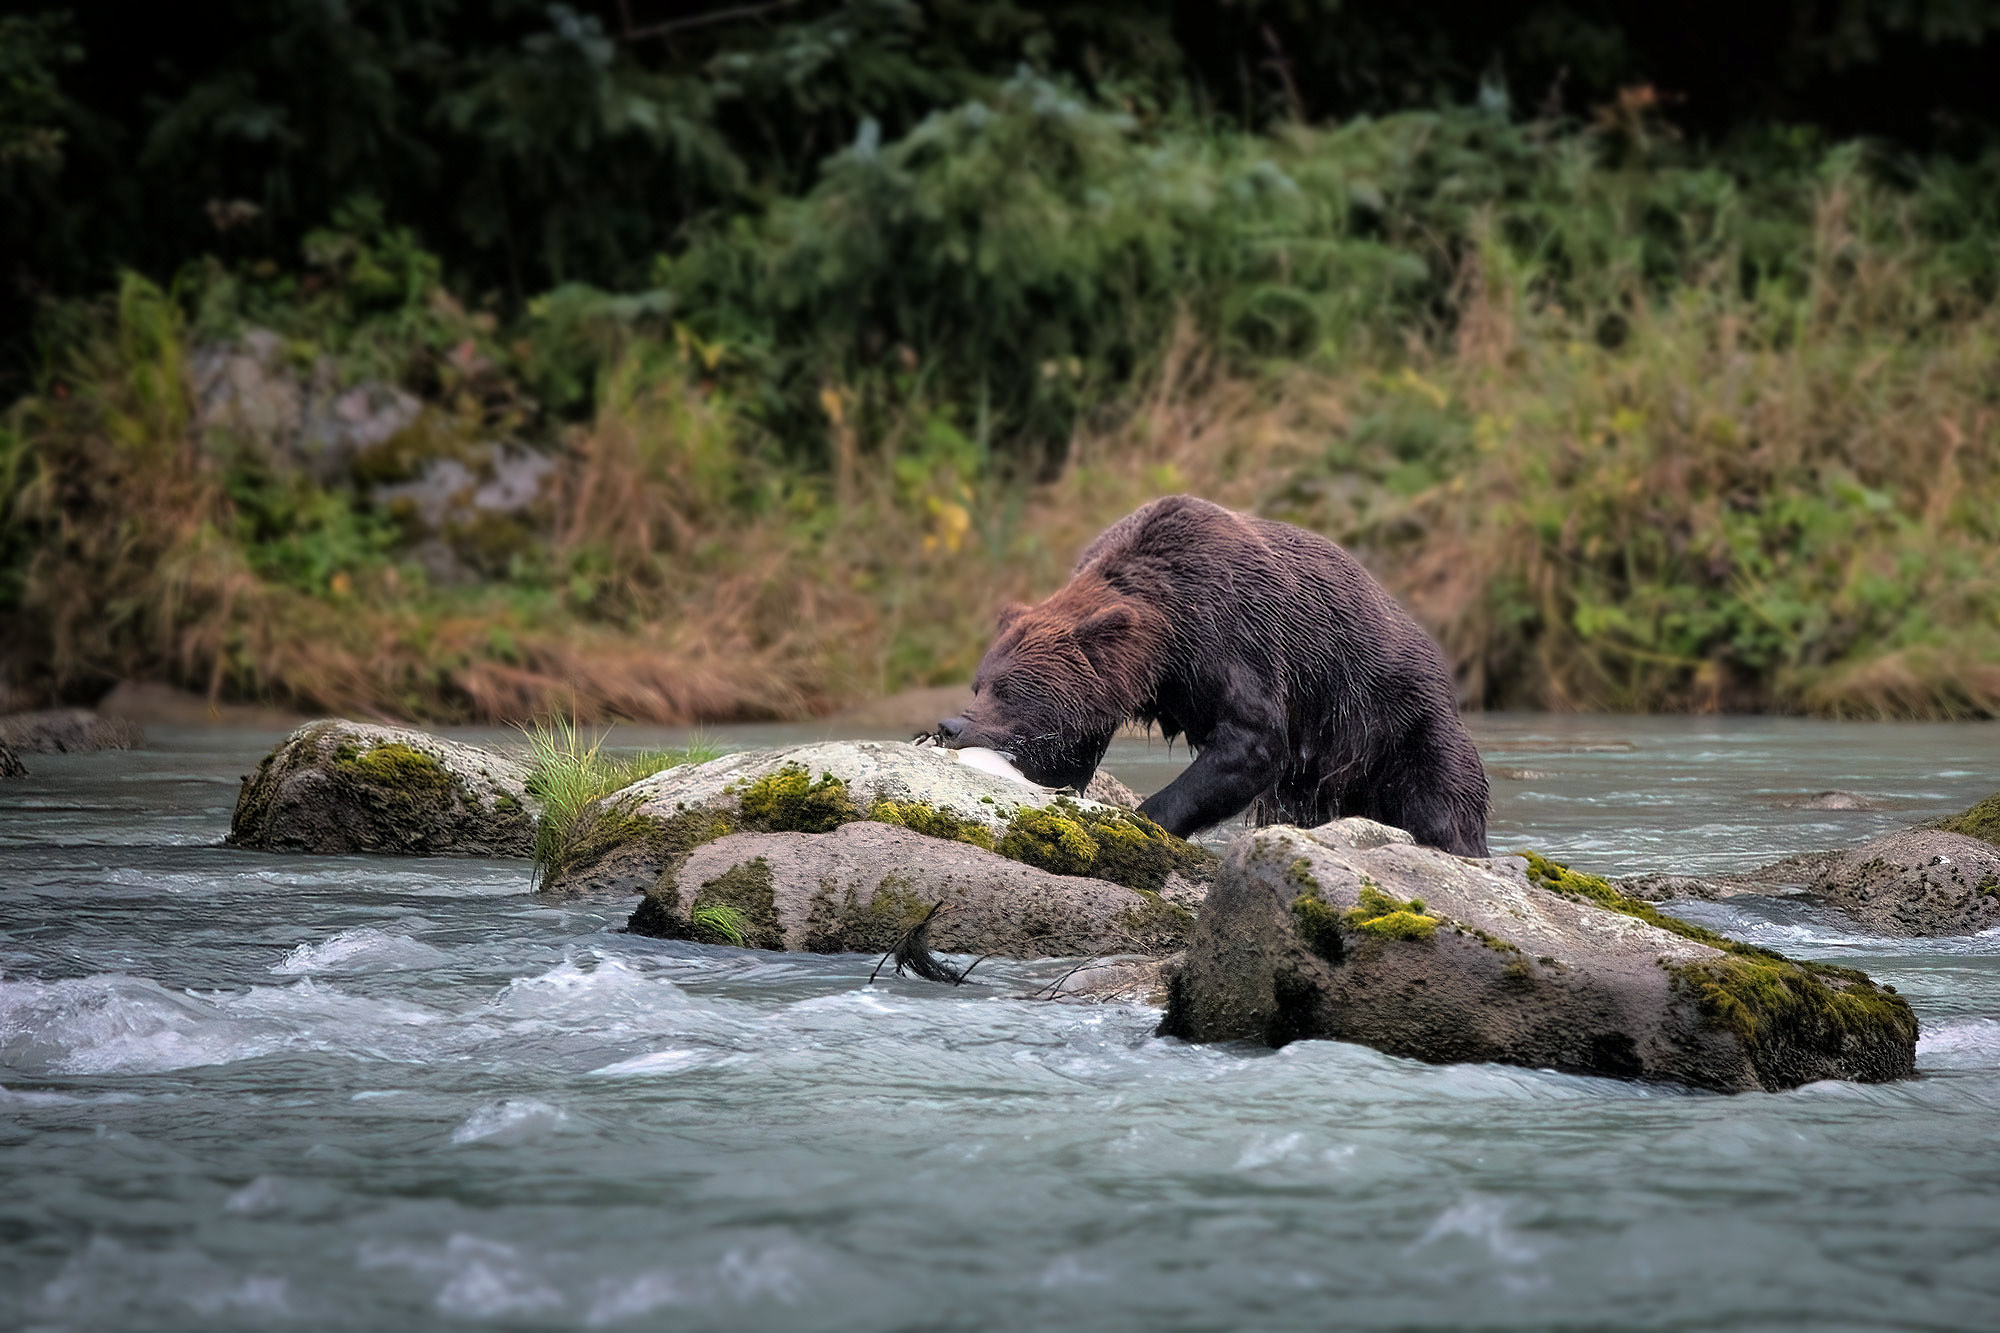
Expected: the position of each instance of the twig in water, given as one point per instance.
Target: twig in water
(913, 952)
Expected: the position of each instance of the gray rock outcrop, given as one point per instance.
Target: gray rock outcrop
(1351, 932)
(864, 886)
(67, 731)
(1917, 882)
(336, 787)
(250, 395)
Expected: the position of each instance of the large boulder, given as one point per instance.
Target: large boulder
(1352, 932)
(67, 731)
(338, 787)
(863, 887)
(1921, 881)
(627, 840)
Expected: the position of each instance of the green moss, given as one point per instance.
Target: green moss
(393, 765)
(1319, 926)
(1982, 821)
(1048, 838)
(1782, 1008)
(745, 894)
(932, 821)
(1384, 917)
(789, 801)
(1558, 878)
(1156, 925)
(839, 920)
(1118, 845)
(1786, 1012)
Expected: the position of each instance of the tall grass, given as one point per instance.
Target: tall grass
(567, 771)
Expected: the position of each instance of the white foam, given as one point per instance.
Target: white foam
(362, 949)
(1965, 1043)
(651, 1065)
(510, 1121)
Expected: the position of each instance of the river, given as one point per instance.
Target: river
(247, 1090)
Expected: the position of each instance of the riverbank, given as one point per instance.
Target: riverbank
(1636, 433)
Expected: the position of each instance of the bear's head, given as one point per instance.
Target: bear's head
(1059, 680)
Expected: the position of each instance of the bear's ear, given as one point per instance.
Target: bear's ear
(1009, 613)
(1106, 634)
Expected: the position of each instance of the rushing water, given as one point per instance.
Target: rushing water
(251, 1090)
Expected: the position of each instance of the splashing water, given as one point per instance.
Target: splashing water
(249, 1090)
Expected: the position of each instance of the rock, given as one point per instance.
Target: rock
(250, 395)
(1107, 790)
(10, 764)
(864, 886)
(1830, 800)
(626, 840)
(1112, 981)
(335, 787)
(247, 389)
(449, 492)
(1781, 879)
(1922, 881)
(67, 731)
(1353, 934)
(342, 424)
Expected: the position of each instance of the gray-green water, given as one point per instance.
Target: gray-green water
(250, 1090)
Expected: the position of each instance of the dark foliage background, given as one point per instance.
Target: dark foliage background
(532, 144)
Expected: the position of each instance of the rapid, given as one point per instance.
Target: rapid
(241, 1089)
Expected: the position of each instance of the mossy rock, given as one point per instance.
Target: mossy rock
(1982, 821)
(631, 838)
(862, 887)
(1335, 933)
(337, 787)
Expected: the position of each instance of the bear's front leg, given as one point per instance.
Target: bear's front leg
(1229, 773)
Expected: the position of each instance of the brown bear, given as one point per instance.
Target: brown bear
(1300, 684)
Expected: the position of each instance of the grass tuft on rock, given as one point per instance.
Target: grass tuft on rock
(719, 923)
(568, 773)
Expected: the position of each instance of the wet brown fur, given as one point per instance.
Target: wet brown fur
(1303, 687)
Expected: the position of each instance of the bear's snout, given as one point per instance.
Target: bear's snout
(952, 728)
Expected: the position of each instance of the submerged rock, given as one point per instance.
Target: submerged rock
(628, 839)
(1108, 790)
(67, 731)
(864, 886)
(1941, 878)
(338, 787)
(10, 764)
(1350, 932)
(1781, 879)
(1921, 881)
